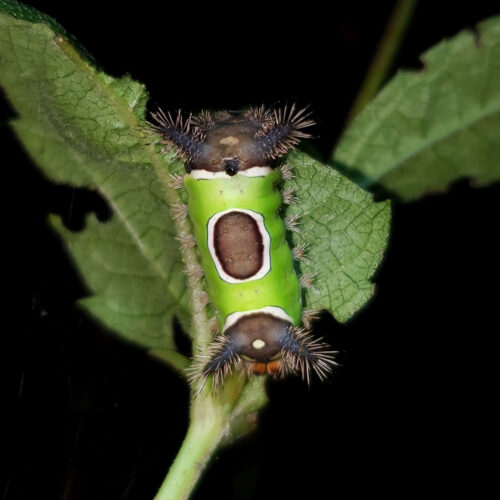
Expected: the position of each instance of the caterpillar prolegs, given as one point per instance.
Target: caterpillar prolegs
(232, 181)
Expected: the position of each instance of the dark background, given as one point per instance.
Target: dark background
(410, 410)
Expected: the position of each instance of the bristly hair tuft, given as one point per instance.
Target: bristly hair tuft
(219, 360)
(176, 181)
(194, 271)
(288, 196)
(260, 115)
(286, 171)
(164, 121)
(309, 316)
(299, 252)
(186, 240)
(201, 124)
(179, 211)
(306, 280)
(303, 353)
(292, 222)
(283, 132)
(220, 116)
(178, 132)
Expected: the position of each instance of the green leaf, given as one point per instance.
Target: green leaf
(346, 234)
(128, 294)
(429, 128)
(82, 128)
(21, 11)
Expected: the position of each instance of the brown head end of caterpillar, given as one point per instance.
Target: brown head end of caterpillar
(262, 344)
(231, 142)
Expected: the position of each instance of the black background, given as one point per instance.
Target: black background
(410, 410)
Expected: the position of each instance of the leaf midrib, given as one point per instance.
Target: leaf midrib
(125, 111)
(426, 144)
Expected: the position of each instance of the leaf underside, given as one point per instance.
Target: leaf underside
(429, 128)
(84, 128)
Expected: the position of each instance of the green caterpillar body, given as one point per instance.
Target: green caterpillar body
(234, 205)
(272, 280)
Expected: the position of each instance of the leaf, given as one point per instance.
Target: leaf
(427, 129)
(129, 295)
(21, 11)
(346, 234)
(82, 128)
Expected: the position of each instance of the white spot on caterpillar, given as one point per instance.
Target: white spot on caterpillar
(258, 344)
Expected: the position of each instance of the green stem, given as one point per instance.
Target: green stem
(211, 420)
(207, 428)
(384, 55)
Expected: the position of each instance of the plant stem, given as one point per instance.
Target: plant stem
(210, 422)
(384, 55)
(200, 442)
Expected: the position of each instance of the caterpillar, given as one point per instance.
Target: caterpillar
(232, 181)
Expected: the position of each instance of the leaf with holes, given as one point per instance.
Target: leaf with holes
(426, 129)
(82, 128)
(345, 233)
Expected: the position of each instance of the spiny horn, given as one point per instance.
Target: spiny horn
(282, 133)
(302, 352)
(179, 132)
(219, 361)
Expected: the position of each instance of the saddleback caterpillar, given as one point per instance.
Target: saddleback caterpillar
(232, 181)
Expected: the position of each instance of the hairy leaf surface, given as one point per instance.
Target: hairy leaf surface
(82, 128)
(427, 129)
(345, 231)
